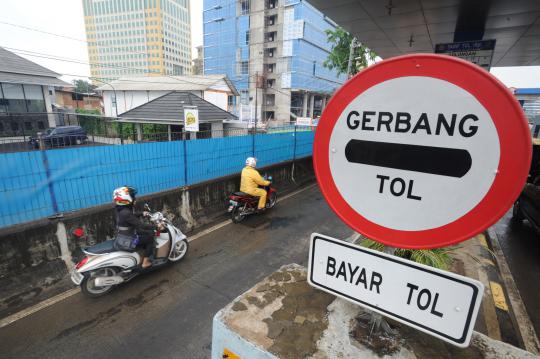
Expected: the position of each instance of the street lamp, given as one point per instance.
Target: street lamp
(114, 91)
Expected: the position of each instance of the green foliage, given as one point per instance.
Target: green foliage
(83, 86)
(153, 129)
(92, 125)
(339, 57)
(439, 257)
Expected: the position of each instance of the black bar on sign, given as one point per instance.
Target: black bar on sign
(442, 161)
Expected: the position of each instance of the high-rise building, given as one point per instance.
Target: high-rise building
(273, 51)
(134, 37)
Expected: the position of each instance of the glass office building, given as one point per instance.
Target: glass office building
(134, 37)
(273, 51)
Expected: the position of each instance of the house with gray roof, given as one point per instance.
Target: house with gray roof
(24, 95)
(126, 93)
(169, 110)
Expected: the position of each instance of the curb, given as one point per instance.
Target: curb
(519, 316)
(500, 320)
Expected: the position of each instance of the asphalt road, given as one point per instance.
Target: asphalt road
(521, 247)
(168, 313)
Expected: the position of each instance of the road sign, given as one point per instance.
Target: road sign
(422, 151)
(478, 52)
(436, 302)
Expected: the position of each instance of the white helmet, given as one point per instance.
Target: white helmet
(123, 196)
(251, 162)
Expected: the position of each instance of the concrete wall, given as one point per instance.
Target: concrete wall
(35, 259)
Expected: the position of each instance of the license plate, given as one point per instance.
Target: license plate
(234, 203)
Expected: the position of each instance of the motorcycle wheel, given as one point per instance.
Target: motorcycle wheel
(180, 250)
(272, 200)
(88, 284)
(237, 215)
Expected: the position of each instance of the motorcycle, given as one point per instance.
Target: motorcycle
(242, 204)
(104, 267)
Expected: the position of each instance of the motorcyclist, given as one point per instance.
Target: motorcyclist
(130, 224)
(251, 180)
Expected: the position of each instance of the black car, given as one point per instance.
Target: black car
(61, 136)
(527, 205)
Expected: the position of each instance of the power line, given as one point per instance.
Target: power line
(42, 31)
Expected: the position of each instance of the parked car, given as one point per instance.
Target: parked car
(61, 136)
(527, 205)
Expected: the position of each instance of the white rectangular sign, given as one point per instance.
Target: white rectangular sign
(304, 121)
(478, 52)
(437, 302)
(191, 118)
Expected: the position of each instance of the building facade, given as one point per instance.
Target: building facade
(135, 37)
(26, 89)
(68, 99)
(273, 51)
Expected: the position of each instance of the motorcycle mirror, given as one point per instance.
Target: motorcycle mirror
(147, 207)
(78, 232)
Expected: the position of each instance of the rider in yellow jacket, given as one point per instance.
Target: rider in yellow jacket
(251, 180)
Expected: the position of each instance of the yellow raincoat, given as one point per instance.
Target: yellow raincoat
(250, 182)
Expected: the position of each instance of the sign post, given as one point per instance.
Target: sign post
(478, 52)
(418, 151)
(304, 121)
(436, 302)
(191, 118)
(422, 151)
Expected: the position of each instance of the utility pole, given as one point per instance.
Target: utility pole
(256, 95)
(351, 53)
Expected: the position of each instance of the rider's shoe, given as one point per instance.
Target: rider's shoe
(146, 263)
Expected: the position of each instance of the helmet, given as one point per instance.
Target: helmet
(251, 161)
(123, 196)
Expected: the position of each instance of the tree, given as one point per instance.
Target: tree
(83, 86)
(338, 59)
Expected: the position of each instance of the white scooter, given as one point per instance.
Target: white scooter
(105, 267)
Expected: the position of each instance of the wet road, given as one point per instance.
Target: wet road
(521, 247)
(168, 313)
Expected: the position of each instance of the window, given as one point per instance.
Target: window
(14, 126)
(247, 37)
(270, 100)
(244, 7)
(28, 125)
(244, 67)
(231, 100)
(244, 97)
(14, 95)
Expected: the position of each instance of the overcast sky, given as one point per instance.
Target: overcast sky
(65, 17)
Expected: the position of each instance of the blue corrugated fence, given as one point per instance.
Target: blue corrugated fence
(39, 184)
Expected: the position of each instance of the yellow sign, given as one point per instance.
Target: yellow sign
(227, 354)
(191, 118)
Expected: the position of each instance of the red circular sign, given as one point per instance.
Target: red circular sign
(381, 129)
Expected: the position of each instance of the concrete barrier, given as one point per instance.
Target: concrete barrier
(36, 257)
(283, 317)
